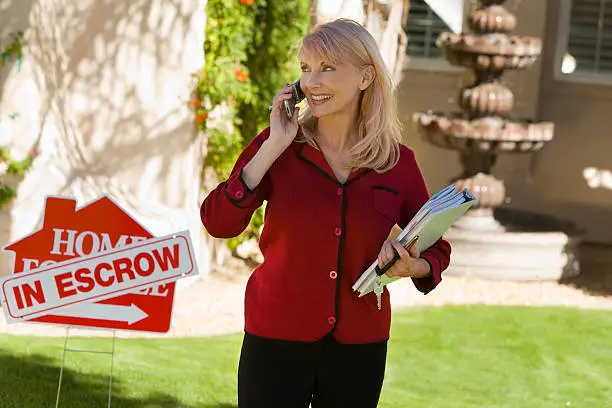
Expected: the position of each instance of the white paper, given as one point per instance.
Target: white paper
(430, 223)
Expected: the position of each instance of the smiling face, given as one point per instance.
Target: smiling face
(347, 84)
(331, 88)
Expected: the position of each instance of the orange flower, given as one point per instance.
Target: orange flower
(34, 152)
(247, 2)
(202, 74)
(196, 103)
(201, 117)
(241, 75)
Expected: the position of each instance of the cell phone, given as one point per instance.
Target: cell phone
(296, 97)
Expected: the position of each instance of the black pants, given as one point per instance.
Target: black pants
(289, 374)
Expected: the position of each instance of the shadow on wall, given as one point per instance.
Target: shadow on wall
(14, 15)
(110, 80)
(105, 85)
(31, 381)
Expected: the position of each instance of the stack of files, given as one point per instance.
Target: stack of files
(434, 218)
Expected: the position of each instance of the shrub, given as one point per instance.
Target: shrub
(250, 49)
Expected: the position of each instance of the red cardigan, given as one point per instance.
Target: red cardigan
(319, 235)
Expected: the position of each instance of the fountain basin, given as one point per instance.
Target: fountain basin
(486, 135)
(490, 52)
(532, 247)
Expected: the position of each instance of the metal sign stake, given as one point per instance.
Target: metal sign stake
(66, 349)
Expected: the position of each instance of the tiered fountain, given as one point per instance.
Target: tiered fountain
(492, 241)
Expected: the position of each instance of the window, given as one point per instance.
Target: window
(427, 19)
(587, 41)
(423, 28)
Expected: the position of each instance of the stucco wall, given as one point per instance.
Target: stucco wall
(106, 85)
(551, 181)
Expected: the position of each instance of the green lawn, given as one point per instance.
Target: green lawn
(450, 357)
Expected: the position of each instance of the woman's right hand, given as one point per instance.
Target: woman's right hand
(282, 128)
(282, 133)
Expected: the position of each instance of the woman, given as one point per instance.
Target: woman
(336, 181)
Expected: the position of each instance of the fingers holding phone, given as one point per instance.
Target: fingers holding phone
(283, 127)
(278, 104)
(290, 95)
(296, 97)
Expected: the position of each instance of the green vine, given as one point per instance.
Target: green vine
(13, 51)
(10, 168)
(250, 49)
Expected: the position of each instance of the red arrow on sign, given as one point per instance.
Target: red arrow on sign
(67, 233)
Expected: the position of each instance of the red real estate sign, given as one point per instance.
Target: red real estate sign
(95, 267)
(97, 277)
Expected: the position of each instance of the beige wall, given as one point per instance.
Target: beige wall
(550, 181)
(106, 85)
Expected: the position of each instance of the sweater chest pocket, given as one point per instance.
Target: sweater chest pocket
(387, 202)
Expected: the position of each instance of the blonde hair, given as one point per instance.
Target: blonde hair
(378, 124)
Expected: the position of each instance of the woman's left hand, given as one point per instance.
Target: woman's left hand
(408, 266)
